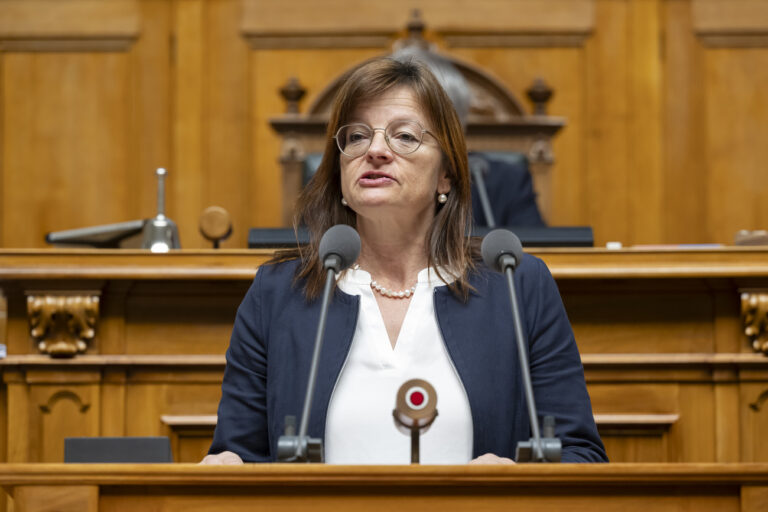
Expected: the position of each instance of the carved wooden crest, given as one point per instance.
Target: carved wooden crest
(754, 315)
(62, 325)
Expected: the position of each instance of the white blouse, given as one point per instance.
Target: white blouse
(359, 426)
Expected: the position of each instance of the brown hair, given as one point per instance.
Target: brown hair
(319, 205)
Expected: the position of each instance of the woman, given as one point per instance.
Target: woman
(415, 306)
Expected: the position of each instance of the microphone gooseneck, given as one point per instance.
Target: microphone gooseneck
(503, 252)
(339, 248)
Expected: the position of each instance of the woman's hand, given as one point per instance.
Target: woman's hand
(489, 458)
(222, 459)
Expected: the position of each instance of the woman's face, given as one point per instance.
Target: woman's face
(382, 182)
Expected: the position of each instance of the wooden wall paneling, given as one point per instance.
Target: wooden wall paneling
(754, 498)
(684, 113)
(145, 402)
(271, 70)
(270, 22)
(3, 305)
(151, 124)
(160, 318)
(644, 148)
(151, 394)
(728, 328)
(60, 410)
(607, 112)
(18, 429)
(646, 398)
(228, 164)
(4, 421)
(66, 156)
(19, 340)
(113, 405)
(185, 179)
(731, 23)
(693, 438)
(754, 421)
(111, 335)
(58, 498)
(654, 319)
(737, 114)
(646, 448)
(727, 405)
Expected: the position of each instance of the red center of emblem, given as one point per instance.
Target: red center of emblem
(417, 398)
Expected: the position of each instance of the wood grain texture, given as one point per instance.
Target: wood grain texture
(267, 487)
(664, 102)
(301, 16)
(658, 330)
(53, 498)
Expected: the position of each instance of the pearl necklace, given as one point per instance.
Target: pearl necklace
(402, 294)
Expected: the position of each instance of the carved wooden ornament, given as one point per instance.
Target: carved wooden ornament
(754, 314)
(63, 326)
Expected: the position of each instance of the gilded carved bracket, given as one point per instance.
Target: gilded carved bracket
(754, 315)
(63, 325)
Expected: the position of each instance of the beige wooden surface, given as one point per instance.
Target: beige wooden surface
(664, 100)
(676, 487)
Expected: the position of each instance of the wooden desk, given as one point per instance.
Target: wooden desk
(672, 375)
(594, 487)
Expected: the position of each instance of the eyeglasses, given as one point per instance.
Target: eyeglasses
(403, 137)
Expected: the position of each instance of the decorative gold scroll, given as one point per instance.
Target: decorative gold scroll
(63, 325)
(754, 315)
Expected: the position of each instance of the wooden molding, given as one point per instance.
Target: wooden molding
(516, 23)
(64, 394)
(68, 25)
(517, 40)
(635, 424)
(51, 45)
(295, 41)
(734, 39)
(63, 325)
(731, 23)
(241, 264)
(189, 421)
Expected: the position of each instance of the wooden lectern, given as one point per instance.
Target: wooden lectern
(551, 487)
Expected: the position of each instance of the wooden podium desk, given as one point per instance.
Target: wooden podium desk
(270, 487)
(673, 344)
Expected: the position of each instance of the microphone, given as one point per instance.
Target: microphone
(501, 249)
(339, 248)
(503, 252)
(415, 410)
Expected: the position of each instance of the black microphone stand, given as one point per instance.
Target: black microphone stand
(536, 449)
(302, 448)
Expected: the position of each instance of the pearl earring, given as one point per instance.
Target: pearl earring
(344, 202)
(442, 198)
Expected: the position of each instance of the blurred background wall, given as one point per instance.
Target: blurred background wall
(666, 104)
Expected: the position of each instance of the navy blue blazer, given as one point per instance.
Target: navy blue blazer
(510, 194)
(272, 342)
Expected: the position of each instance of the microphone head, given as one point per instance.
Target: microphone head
(342, 241)
(496, 244)
(415, 406)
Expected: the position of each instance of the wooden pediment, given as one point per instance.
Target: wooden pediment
(497, 122)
